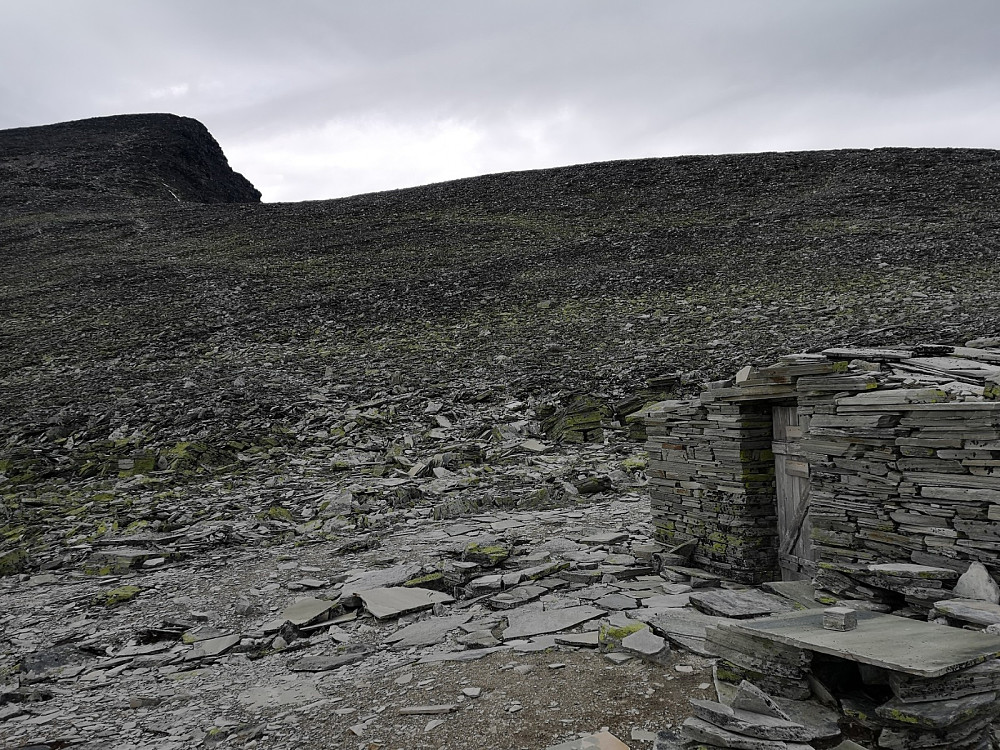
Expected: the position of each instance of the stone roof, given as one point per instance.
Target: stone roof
(945, 373)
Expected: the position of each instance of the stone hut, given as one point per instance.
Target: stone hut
(833, 462)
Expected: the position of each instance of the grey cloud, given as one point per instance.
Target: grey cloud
(585, 80)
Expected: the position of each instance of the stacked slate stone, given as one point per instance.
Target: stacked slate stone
(905, 589)
(628, 411)
(579, 421)
(901, 473)
(752, 721)
(776, 668)
(712, 477)
(954, 711)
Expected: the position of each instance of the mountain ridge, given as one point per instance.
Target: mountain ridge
(154, 156)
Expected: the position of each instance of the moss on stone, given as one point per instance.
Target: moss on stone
(429, 581)
(635, 463)
(13, 561)
(276, 513)
(610, 636)
(487, 555)
(104, 570)
(117, 596)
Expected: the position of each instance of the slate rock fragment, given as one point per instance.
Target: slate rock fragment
(749, 723)
(749, 697)
(384, 603)
(647, 646)
(977, 583)
(527, 624)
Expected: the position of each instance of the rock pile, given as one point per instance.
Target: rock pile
(373, 461)
(953, 712)
(579, 421)
(303, 631)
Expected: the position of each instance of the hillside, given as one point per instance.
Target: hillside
(147, 333)
(184, 319)
(224, 403)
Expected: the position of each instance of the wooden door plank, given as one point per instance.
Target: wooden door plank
(791, 479)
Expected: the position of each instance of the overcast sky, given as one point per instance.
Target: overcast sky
(316, 99)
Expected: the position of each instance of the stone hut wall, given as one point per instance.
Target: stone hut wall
(904, 468)
(904, 475)
(712, 476)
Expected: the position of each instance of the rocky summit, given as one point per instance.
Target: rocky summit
(367, 473)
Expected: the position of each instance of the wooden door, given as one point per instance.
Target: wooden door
(791, 479)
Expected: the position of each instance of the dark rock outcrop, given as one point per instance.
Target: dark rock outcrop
(155, 156)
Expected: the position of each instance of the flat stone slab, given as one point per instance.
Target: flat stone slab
(739, 604)
(969, 610)
(286, 694)
(593, 593)
(217, 646)
(666, 601)
(139, 650)
(617, 602)
(326, 663)
(541, 571)
(426, 632)
(910, 570)
(599, 741)
(822, 720)
(478, 639)
(751, 698)
(749, 723)
(623, 560)
(647, 645)
(535, 446)
(516, 597)
(605, 538)
(982, 678)
(384, 578)
(203, 633)
(937, 714)
(802, 593)
(305, 611)
(911, 646)
(700, 730)
(534, 645)
(589, 639)
(527, 624)
(685, 627)
(393, 602)
(696, 578)
(473, 654)
(676, 588)
(581, 576)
